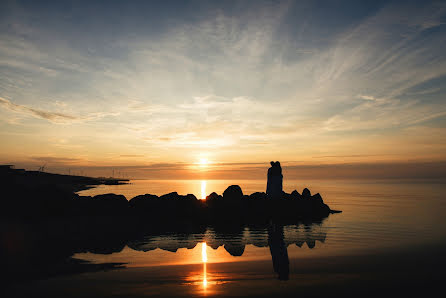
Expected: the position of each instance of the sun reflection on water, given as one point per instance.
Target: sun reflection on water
(204, 258)
(203, 189)
(204, 255)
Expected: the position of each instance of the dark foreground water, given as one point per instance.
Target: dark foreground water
(389, 240)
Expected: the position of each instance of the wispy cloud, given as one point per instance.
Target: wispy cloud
(50, 116)
(243, 82)
(56, 160)
(54, 117)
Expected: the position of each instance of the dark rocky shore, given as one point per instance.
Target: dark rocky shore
(44, 222)
(38, 195)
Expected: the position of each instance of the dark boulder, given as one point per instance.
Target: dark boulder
(233, 193)
(286, 196)
(213, 200)
(317, 198)
(84, 205)
(142, 201)
(258, 196)
(213, 196)
(188, 197)
(191, 197)
(40, 201)
(170, 196)
(109, 204)
(306, 194)
(295, 195)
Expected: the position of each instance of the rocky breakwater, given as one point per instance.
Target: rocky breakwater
(291, 207)
(231, 207)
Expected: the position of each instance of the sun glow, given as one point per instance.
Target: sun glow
(203, 163)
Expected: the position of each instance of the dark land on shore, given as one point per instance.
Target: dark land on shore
(33, 195)
(41, 210)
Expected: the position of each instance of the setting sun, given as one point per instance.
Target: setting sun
(203, 162)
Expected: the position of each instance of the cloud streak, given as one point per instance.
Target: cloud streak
(241, 80)
(53, 117)
(50, 116)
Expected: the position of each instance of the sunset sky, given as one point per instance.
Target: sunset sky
(217, 89)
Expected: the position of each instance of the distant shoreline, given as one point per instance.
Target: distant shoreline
(72, 183)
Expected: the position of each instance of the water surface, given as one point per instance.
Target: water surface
(379, 214)
(389, 234)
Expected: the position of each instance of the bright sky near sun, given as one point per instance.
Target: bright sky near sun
(192, 85)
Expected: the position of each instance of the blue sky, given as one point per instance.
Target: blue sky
(143, 82)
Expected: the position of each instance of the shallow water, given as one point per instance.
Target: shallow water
(390, 233)
(376, 214)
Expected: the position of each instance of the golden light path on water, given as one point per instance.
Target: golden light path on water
(204, 258)
(203, 189)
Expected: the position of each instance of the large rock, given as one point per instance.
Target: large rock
(306, 194)
(213, 197)
(111, 203)
(258, 196)
(286, 196)
(233, 193)
(170, 196)
(191, 197)
(142, 201)
(317, 198)
(84, 205)
(295, 195)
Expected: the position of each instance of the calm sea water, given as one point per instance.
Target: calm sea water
(385, 230)
(376, 214)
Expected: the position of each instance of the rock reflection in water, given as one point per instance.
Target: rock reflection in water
(34, 256)
(234, 239)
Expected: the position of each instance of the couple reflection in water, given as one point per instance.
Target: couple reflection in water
(279, 253)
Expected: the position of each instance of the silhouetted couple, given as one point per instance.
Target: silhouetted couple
(274, 187)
